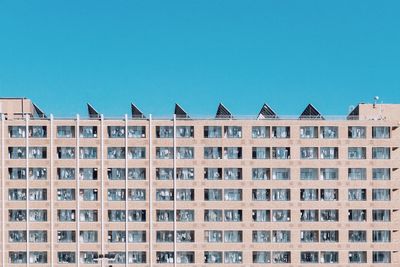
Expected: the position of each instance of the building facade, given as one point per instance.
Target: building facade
(225, 191)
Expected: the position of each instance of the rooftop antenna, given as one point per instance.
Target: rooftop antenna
(376, 98)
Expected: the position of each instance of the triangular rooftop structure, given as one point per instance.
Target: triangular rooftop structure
(354, 114)
(38, 112)
(223, 112)
(180, 113)
(93, 114)
(311, 113)
(266, 112)
(136, 112)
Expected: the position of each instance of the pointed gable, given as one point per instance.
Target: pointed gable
(136, 113)
(223, 112)
(311, 113)
(266, 112)
(93, 114)
(180, 113)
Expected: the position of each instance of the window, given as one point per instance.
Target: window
(65, 131)
(232, 236)
(88, 194)
(116, 174)
(37, 131)
(260, 132)
(212, 152)
(136, 215)
(184, 152)
(281, 257)
(116, 131)
(18, 194)
(18, 257)
(185, 236)
(88, 215)
(37, 194)
(260, 194)
(232, 215)
(183, 257)
(381, 257)
(17, 152)
(37, 153)
(136, 153)
(116, 236)
(329, 257)
(261, 215)
(213, 173)
(37, 173)
(281, 236)
(357, 173)
(261, 174)
(357, 256)
(381, 194)
(66, 215)
(357, 153)
(261, 257)
(137, 236)
(233, 173)
(37, 236)
(261, 153)
(381, 215)
(184, 131)
(357, 132)
(309, 215)
(165, 194)
(309, 257)
(88, 152)
(232, 152)
(165, 215)
(233, 131)
(66, 173)
(116, 215)
(164, 131)
(380, 132)
(17, 236)
(117, 257)
(36, 257)
(164, 153)
(116, 153)
(329, 236)
(309, 236)
(185, 215)
(233, 194)
(136, 194)
(65, 194)
(329, 173)
(185, 173)
(280, 194)
(88, 173)
(66, 257)
(38, 215)
(116, 194)
(357, 194)
(66, 152)
(17, 173)
(309, 194)
(136, 132)
(281, 174)
(329, 194)
(329, 153)
(329, 132)
(380, 174)
(308, 153)
(281, 215)
(66, 237)
(329, 215)
(212, 257)
(233, 257)
(381, 236)
(261, 236)
(281, 152)
(281, 132)
(17, 131)
(213, 194)
(308, 132)
(87, 131)
(308, 174)
(137, 257)
(165, 257)
(136, 174)
(357, 215)
(381, 153)
(88, 257)
(17, 215)
(213, 215)
(185, 194)
(212, 131)
(357, 236)
(213, 236)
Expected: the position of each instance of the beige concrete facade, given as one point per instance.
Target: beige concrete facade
(313, 192)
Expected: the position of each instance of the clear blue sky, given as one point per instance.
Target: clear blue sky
(198, 53)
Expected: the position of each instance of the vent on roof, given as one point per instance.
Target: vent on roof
(311, 113)
(223, 112)
(93, 114)
(136, 113)
(266, 112)
(354, 114)
(180, 113)
(38, 112)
